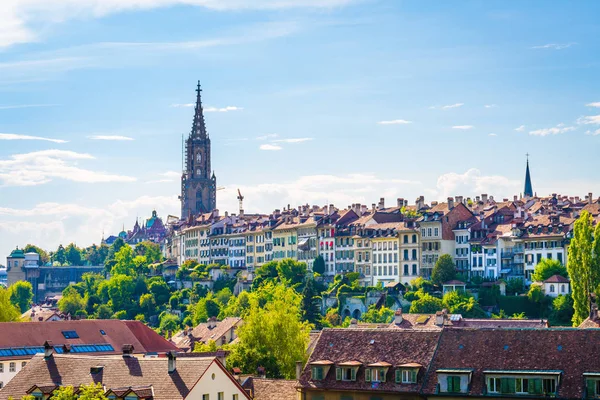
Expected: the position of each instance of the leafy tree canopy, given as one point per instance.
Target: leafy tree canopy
(444, 270)
(547, 268)
(21, 294)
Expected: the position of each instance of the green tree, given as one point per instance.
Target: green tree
(319, 265)
(207, 347)
(562, 310)
(515, 286)
(159, 288)
(547, 268)
(223, 296)
(71, 301)
(444, 270)
(206, 308)
(121, 293)
(8, 311)
(60, 256)
(273, 335)
(86, 392)
(236, 306)
(124, 262)
(149, 250)
(73, 255)
(104, 312)
(169, 323)
(44, 257)
(96, 255)
(311, 304)
(584, 252)
(21, 294)
(462, 303)
(117, 245)
(383, 315)
(148, 304)
(291, 271)
(426, 304)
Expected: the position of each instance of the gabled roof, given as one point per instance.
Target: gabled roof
(557, 279)
(121, 374)
(271, 389)
(89, 331)
(202, 332)
(370, 347)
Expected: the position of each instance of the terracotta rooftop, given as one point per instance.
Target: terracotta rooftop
(271, 389)
(203, 333)
(89, 331)
(117, 373)
(557, 279)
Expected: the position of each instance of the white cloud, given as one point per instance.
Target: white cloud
(14, 136)
(590, 119)
(447, 107)
(473, 182)
(167, 177)
(490, 106)
(270, 147)
(395, 122)
(492, 134)
(594, 104)
(520, 129)
(110, 137)
(26, 106)
(293, 140)
(593, 133)
(51, 224)
(183, 105)
(23, 21)
(558, 129)
(267, 136)
(554, 46)
(41, 167)
(222, 109)
(463, 127)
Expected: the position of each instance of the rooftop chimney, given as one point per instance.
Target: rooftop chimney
(298, 369)
(400, 202)
(381, 203)
(484, 198)
(590, 198)
(212, 322)
(127, 350)
(440, 316)
(398, 316)
(48, 348)
(172, 361)
(66, 348)
(260, 371)
(450, 203)
(353, 323)
(373, 207)
(515, 198)
(420, 202)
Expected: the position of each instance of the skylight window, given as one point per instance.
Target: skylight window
(70, 334)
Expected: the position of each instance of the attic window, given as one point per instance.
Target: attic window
(70, 334)
(102, 332)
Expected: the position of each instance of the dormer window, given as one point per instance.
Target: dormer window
(346, 371)
(522, 382)
(592, 385)
(407, 373)
(319, 369)
(377, 372)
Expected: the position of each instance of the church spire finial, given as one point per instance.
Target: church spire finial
(528, 192)
(199, 127)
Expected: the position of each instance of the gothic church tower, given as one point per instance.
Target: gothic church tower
(198, 186)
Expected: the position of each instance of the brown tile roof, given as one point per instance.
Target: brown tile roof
(118, 372)
(557, 279)
(271, 389)
(116, 333)
(572, 351)
(416, 321)
(369, 346)
(203, 333)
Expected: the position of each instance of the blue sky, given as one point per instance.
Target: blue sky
(308, 101)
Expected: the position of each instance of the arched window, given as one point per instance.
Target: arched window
(562, 288)
(551, 288)
(199, 157)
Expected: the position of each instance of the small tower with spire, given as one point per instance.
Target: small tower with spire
(198, 186)
(528, 191)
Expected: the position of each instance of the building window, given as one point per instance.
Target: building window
(235, 397)
(453, 383)
(551, 288)
(406, 376)
(592, 388)
(23, 364)
(406, 270)
(375, 374)
(12, 367)
(436, 231)
(414, 269)
(220, 396)
(206, 396)
(345, 373)
(317, 373)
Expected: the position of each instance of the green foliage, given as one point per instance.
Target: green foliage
(71, 301)
(169, 323)
(515, 286)
(206, 308)
(207, 347)
(462, 303)
(311, 304)
(21, 294)
(121, 293)
(444, 270)
(536, 296)
(160, 290)
(290, 271)
(60, 256)
(151, 251)
(547, 268)
(73, 255)
(223, 295)
(382, 315)
(123, 262)
(562, 310)
(426, 304)
(109, 262)
(502, 315)
(489, 295)
(148, 303)
(104, 312)
(8, 311)
(319, 265)
(236, 306)
(583, 266)
(519, 304)
(332, 318)
(223, 282)
(86, 392)
(273, 334)
(96, 255)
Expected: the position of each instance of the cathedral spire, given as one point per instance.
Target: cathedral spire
(199, 128)
(528, 192)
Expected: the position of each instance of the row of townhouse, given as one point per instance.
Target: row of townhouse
(394, 244)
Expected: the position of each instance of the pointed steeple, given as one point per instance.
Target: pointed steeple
(528, 192)
(199, 128)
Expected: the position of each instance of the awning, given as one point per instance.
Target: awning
(303, 244)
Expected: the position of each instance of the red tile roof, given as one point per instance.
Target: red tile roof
(116, 333)
(557, 279)
(271, 389)
(202, 332)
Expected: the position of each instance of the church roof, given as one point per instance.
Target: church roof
(528, 191)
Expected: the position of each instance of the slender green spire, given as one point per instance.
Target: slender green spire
(528, 192)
